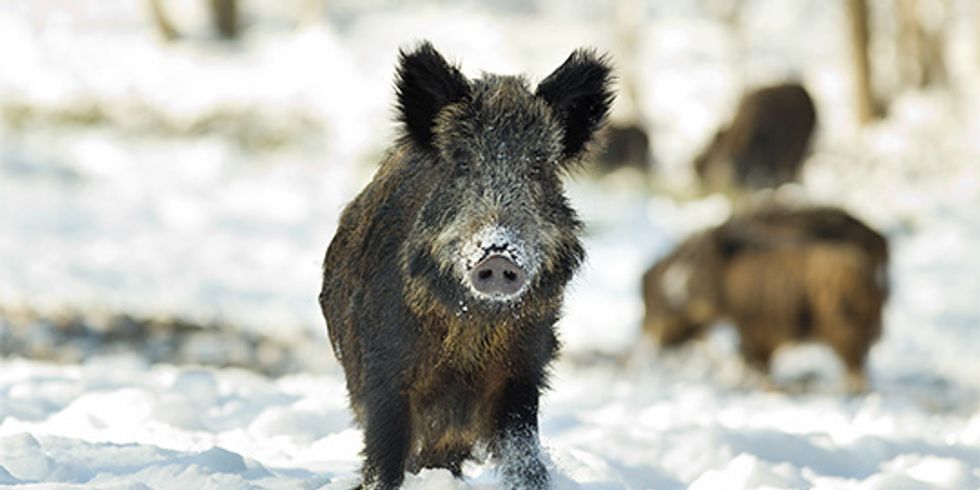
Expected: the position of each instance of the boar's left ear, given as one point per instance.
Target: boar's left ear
(426, 83)
(580, 94)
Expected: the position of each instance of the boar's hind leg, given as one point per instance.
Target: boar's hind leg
(756, 355)
(852, 352)
(516, 446)
(387, 439)
(846, 333)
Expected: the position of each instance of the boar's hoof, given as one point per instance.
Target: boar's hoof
(498, 277)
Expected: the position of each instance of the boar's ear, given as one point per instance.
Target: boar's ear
(425, 83)
(580, 94)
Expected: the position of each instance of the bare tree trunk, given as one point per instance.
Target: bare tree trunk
(935, 46)
(628, 16)
(162, 22)
(225, 15)
(857, 15)
(908, 42)
(627, 141)
(921, 46)
(935, 62)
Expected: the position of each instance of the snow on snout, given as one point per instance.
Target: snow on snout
(498, 240)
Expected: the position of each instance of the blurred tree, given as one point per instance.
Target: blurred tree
(867, 107)
(627, 140)
(628, 17)
(163, 24)
(921, 44)
(224, 16)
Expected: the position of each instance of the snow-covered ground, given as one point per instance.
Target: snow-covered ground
(204, 181)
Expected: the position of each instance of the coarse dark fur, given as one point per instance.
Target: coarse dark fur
(764, 145)
(821, 284)
(435, 371)
(821, 292)
(771, 224)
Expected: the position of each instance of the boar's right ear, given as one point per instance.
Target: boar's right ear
(425, 83)
(580, 94)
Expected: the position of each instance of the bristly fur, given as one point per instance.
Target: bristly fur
(766, 143)
(780, 275)
(433, 368)
(425, 83)
(580, 91)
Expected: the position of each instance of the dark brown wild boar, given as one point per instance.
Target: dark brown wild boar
(626, 146)
(764, 145)
(772, 224)
(445, 277)
(775, 294)
(821, 292)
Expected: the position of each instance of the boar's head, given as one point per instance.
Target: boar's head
(495, 230)
(682, 293)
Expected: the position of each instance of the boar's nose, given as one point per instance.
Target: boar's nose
(498, 277)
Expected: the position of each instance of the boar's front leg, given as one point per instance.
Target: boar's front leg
(516, 447)
(387, 438)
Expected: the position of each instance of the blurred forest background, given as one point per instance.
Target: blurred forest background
(171, 172)
(184, 161)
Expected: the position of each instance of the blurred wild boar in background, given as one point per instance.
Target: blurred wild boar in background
(780, 277)
(626, 146)
(765, 144)
(769, 224)
(445, 278)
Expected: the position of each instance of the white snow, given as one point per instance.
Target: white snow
(205, 181)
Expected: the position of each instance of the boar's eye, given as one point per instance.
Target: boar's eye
(537, 163)
(462, 160)
(534, 165)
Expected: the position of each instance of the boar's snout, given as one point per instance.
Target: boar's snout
(498, 277)
(498, 264)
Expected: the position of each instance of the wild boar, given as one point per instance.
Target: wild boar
(772, 224)
(765, 144)
(626, 146)
(775, 293)
(444, 280)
